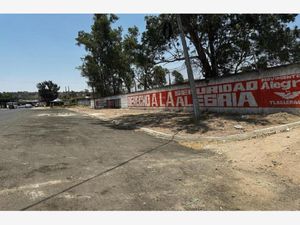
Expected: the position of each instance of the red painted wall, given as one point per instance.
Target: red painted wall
(269, 92)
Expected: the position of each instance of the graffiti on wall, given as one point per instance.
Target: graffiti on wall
(280, 91)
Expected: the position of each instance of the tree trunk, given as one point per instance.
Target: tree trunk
(197, 43)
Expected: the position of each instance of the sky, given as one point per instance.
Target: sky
(34, 48)
(39, 47)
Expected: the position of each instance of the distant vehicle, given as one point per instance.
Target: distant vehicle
(12, 105)
(40, 104)
(28, 106)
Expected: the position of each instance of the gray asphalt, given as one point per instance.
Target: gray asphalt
(55, 159)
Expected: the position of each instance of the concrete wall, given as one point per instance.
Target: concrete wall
(84, 102)
(272, 90)
(120, 100)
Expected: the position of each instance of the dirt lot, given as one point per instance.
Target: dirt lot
(210, 124)
(55, 159)
(262, 171)
(267, 168)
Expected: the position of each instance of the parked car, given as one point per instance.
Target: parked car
(28, 106)
(12, 105)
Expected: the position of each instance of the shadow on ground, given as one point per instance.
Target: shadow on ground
(179, 121)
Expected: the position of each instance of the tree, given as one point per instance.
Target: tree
(144, 64)
(107, 64)
(150, 75)
(178, 77)
(6, 96)
(48, 91)
(129, 53)
(143, 60)
(226, 43)
(86, 93)
(158, 77)
(114, 63)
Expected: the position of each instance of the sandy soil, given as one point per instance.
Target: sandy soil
(210, 124)
(266, 168)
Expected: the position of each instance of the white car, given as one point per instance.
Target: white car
(28, 106)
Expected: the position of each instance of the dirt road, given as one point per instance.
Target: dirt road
(61, 160)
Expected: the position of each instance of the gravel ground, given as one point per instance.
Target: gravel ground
(210, 124)
(56, 159)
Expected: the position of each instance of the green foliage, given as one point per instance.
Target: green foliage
(6, 96)
(159, 76)
(48, 91)
(113, 64)
(153, 77)
(107, 64)
(178, 77)
(20, 95)
(227, 43)
(219, 44)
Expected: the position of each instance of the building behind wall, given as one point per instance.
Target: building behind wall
(84, 101)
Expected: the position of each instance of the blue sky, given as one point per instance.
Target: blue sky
(34, 48)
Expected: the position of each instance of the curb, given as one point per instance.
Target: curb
(234, 137)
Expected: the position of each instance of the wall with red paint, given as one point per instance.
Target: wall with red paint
(272, 90)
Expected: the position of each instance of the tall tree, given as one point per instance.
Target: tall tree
(48, 91)
(128, 57)
(107, 63)
(227, 43)
(147, 73)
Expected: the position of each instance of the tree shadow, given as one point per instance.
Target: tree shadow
(169, 120)
(179, 121)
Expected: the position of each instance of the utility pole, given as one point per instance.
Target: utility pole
(94, 99)
(196, 107)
